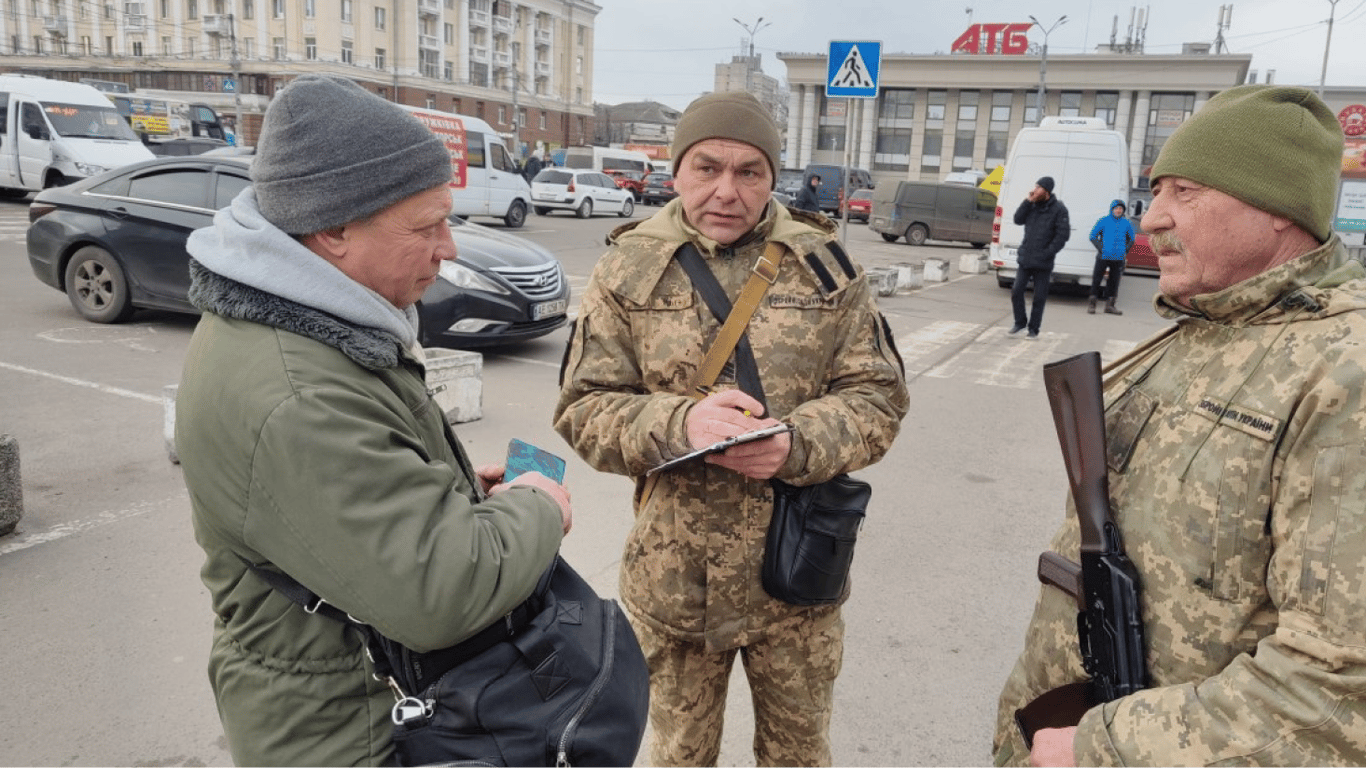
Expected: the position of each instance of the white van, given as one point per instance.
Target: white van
(607, 160)
(484, 179)
(54, 132)
(1089, 164)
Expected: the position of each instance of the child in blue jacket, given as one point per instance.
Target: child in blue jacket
(1113, 236)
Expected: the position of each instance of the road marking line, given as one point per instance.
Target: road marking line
(63, 530)
(82, 383)
(517, 359)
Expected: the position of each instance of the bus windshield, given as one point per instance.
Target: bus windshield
(84, 122)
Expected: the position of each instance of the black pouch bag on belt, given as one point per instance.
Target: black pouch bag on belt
(810, 543)
(559, 681)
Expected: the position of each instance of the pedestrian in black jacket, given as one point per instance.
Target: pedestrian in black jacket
(1046, 230)
(808, 199)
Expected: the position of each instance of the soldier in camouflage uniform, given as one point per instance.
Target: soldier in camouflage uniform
(1236, 441)
(690, 572)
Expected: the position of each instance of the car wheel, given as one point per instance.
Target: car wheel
(916, 234)
(889, 237)
(627, 208)
(979, 246)
(9, 193)
(97, 287)
(516, 215)
(542, 211)
(585, 208)
(1004, 282)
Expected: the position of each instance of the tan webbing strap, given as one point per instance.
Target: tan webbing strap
(765, 272)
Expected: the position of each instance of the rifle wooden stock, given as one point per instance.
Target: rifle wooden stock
(1105, 584)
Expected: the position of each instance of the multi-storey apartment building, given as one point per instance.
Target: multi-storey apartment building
(524, 66)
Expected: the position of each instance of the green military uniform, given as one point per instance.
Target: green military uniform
(1235, 445)
(690, 572)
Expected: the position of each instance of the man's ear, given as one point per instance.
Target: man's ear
(329, 242)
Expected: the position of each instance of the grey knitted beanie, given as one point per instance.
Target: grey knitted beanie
(331, 152)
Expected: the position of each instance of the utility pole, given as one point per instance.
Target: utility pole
(1043, 64)
(752, 30)
(1323, 76)
(236, 63)
(516, 116)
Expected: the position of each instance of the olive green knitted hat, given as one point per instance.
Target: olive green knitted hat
(1276, 148)
(732, 115)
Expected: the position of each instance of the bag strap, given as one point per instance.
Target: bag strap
(735, 319)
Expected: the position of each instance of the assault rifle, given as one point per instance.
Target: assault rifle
(1105, 583)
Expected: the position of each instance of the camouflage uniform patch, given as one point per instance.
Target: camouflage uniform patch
(1230, 442)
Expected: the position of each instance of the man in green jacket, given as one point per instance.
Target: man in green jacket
(310, 444)
(1235, 442)
(827, 366)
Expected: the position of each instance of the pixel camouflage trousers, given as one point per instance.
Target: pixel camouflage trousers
(791, 674)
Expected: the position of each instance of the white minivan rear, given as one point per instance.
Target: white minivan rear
(485, 180)
(1089, 164)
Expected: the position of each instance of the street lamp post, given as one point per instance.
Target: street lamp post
(1043, 63)
(752, 30)
(1323, 76)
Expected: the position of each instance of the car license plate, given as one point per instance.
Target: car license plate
(548, 309)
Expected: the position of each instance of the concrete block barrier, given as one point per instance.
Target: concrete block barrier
(973, 263)
(936, 270)
(11, 492)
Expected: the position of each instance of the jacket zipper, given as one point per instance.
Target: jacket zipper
(609, 621)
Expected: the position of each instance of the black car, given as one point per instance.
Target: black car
(116, 242)
(658, 188)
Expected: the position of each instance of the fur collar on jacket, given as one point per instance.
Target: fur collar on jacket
(368, 347)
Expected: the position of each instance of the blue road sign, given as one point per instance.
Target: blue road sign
(852, 68)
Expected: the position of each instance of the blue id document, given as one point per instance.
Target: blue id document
(525, 457)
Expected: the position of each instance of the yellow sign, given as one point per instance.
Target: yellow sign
(992, 182)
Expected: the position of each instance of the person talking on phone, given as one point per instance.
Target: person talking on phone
(311, 445)
(827, 366)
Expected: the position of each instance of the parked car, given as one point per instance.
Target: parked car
(1141, 258)
(789, 181)
(927, 210)
(115, 243)
(860, 205)
(658, 188)
(632, 181)
(580, 191)
(197, 145)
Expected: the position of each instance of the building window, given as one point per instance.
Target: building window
(248, 47)
(1069, 105)
(893, 152)
(932, 148)
(346, 11)
(897, 104)
(38, 44)
(379, 58)
(311, 48)
(380, 17)
(935, 102)
(165, 6)
(166, 45)
(431, 101)
(542, 121)
(428, 62)
(581, 34)
(109, 45)
(277, 9)
(278, 46)
(137, 48)
(502, 114)
(1107, 107)
(248, 9)
(1031, 113)
(450, 71)
(189, 47)
(998, 130)
(1166, 111)
(347, 57)
(965, 131)
(310, 9)
(450, 34)
(192, 9)
(86, 50)
(830, 137)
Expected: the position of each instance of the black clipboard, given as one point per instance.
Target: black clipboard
(740, 439)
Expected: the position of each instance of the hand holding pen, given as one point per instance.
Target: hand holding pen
(731, 412)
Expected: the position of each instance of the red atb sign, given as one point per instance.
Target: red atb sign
(1008, 39)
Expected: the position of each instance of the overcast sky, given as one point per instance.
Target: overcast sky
(666, 50)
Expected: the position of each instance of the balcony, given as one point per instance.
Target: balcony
(502, 59)
(502, 25)
(479, 18)
(429, 7)
(543, 69)
(430, 42)
(479, 53)
(216, 24)
(543, 37)
(134, 23)
(55, 24)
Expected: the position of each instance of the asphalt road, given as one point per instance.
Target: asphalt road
(104, 625)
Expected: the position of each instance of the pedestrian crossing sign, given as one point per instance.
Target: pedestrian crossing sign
(852, 69)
